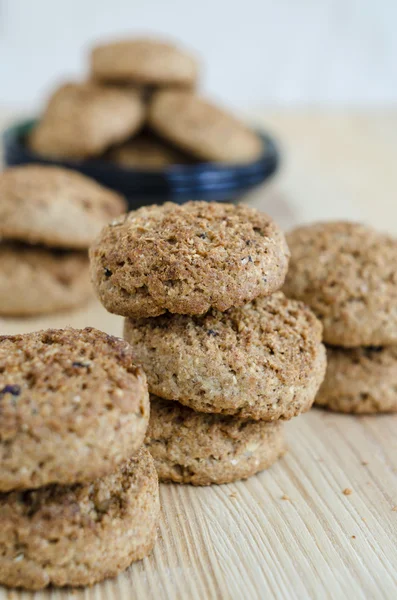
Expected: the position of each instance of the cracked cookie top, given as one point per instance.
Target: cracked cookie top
(261, 361)
(187, 259)
(73, 405)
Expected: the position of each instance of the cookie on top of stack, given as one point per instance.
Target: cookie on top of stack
(227, 356)
(78, 492)
(346, 272)
(140, 109)
(48, 218)
(145, 63)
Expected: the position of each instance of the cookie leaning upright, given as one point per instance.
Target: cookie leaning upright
(187, 259)
(74, 406)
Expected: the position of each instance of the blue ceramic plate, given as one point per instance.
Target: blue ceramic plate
(200, 181)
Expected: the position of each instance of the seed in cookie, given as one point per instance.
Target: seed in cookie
(360, 380)
(35, 280)
(84, 119)
(187, 259)
(54, 206)
(62, 422)
(262, 361)
(201, 449)
(347, 274)
(203, 129)
(80, 534)
(143, 61)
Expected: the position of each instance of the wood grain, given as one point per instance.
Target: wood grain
(289, 532)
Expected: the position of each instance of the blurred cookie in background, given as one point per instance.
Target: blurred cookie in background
(54, 206)
(147, 152)
(200, 127)
(84, 119)
(147, 62)
(360, 380)
(35, 280)
(49, 216)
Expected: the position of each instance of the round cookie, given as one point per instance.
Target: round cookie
(84, 119)
(36, 280)
(263, 361)
(347, 274)
(144, 62)
(146, 152)
(78, 535)
(54, 206)
(74, 406)
(198, 448)
(360, 380)
(187, 259)
(202, 128)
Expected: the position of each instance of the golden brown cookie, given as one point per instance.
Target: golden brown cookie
(360, 380)
(347, 274)
(80, 534)
(73, 404)
(54, 206)
(198, 448)
(202, 128)
(187, 259)
(84, 119)
(35, 280)
(147, 152)
(144, 62)
(262, 361)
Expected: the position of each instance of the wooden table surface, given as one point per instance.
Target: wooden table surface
(289, 532)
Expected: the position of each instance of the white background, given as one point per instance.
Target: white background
(255, 52)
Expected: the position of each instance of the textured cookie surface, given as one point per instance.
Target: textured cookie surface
(147, 152)
(360, 380)
(81, 534)
(203, 129)
(187, 259)
(36, 280)
(73, 406)
(143, 61)
(83, 119)
(198, 448)
(262, 361)
(54, 206)
(347, 274)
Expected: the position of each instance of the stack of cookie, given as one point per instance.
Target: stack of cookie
(48, 218)
(78, 493)
(347, 274)
(139, 109)
(227, 356)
